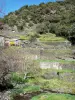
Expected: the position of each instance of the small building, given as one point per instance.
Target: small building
(15, 42)
(7, 43)
(12, 42)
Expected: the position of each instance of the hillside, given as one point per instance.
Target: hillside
(37, 62)
(57, 18)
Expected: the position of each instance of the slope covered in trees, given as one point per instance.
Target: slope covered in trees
(57, 18)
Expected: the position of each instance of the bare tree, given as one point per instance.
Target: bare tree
(14, 59)
(6, 66)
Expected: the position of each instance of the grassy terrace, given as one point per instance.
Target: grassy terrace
(51, 38)
(60, 61)
(38, 83)
(49, 96)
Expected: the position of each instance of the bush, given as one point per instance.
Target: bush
(62, 30)
(30, 24)
(71, 34)
(42, 28)
(52, 28)
(72, 30)
(17, 78)
(20, 28)
(33, 36)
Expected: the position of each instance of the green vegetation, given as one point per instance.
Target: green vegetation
(57, 84)
(24, 37)
(70, 1)
(49, 96)
(60, 61)
(50, 22)
(25, 89)
(51, 38)
(56, 17)
(30, 36)
(39, 83)
(33, 88)
(17, 78)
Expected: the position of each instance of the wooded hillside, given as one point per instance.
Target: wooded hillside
(53, 17)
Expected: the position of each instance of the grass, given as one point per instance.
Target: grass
(62, 51)
(32, 88)
(57, 84)
(51, 96)
(15, 92)
(23, 37)
(60, 61)
(57, 70)
(24, 89)
(51, 38)
(17, 78)
(45, 84)
(54, 83)
(38, 83)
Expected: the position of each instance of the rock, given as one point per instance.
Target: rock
(5, 95)
(70, 77)
(50, 75)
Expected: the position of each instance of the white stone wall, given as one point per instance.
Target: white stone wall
(1, 41)
(52, 65)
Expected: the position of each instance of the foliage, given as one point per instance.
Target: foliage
(33, 36)
(17, 78)
(49, 96)
(51, 38)
(62, 30)
(41, 28)
(72, 30)
(33, 88)
(70, 1)
(53, 17)
(46, 27)
(23, 37)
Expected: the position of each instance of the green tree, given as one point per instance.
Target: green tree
(42, 28)
(71, 1)
(72, 30)
(62, 30)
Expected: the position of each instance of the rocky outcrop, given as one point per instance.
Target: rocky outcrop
(5, 95)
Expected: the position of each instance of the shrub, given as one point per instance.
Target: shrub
(33, 36)
(17, 77)
(30, 24)
(72, 30)
(42, 29)
(62, 30)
